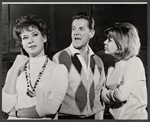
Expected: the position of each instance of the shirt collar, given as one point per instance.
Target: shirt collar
(75, 51)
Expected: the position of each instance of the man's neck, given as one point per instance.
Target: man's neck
(84, 50)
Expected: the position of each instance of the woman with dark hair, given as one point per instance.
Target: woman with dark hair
(35, 86)
(125, 87)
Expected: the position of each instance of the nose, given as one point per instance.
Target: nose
(106, 41)
(31, 40)
(76, 32)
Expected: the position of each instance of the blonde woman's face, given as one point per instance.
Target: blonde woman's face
(110, 46)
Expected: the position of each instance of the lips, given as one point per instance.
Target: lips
(105, 48)
(32, 46)
(77, 38)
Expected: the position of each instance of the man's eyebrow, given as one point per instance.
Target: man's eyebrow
(82, 26)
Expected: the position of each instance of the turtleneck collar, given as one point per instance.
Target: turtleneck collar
(37, 59)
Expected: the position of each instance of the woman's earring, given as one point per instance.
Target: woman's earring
(117, 51)
(45, 40)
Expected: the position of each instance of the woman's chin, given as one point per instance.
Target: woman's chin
(106, 52)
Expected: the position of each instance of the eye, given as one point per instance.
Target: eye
(82, 28)
(24, 38)
(73, 28)
(109, 39)
(34, 35)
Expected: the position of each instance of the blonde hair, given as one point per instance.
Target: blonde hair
(126, 38)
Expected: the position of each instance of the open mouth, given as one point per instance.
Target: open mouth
(77, 38)
(33, 46)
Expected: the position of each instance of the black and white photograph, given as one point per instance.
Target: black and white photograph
(74, 61)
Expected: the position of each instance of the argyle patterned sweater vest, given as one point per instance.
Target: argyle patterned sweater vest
(83, 95)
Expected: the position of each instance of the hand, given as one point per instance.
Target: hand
(20, 62)
(103, 95)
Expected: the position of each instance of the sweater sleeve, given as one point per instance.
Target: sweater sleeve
(8, 102)
(133, 70)
(57, 92)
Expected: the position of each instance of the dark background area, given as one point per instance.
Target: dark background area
(58, 18)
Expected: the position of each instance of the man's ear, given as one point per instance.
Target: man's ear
(92, 32)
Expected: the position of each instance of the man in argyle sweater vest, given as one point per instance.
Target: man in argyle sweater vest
(86, 75)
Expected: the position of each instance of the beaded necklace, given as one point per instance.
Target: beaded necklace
(31, 92)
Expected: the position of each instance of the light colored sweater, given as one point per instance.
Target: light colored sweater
(127, 92)
(50, 90)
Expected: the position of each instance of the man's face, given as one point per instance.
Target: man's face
(81, 33)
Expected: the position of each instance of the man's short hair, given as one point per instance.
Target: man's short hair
(86, 16)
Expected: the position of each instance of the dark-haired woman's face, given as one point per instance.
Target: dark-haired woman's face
(110, 46)
(33, 42)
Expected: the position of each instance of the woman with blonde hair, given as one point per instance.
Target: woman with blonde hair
(125, 87)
